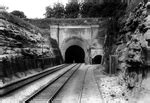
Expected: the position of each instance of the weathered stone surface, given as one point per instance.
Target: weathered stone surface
(131, 55)
(16, 33)
(22, 46)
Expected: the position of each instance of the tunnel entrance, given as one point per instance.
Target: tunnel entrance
(74, 54)
(97, 59)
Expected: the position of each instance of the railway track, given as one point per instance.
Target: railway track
(72, 92)
(8, 88)
(47, 93)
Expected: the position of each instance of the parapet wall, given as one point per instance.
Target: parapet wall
(45, 23)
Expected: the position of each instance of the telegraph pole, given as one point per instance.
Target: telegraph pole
(90, 44)
(58, 34)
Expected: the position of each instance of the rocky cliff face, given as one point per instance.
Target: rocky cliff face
(24, 49)
(134, 31)
(132, 54)
(17, 36)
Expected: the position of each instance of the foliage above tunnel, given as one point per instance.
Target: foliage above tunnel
(86, 9)
(106, 9)
(72, 10)
(18, 13)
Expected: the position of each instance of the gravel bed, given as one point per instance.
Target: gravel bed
(114, 90)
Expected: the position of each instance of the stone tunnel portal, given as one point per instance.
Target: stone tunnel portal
(74, 54)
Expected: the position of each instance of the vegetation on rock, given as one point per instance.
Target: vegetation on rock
(18, 13)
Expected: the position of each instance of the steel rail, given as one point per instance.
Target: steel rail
(6, 89)
(45, 95)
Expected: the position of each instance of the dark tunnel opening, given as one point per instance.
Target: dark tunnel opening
(97, 59)
(74, 54)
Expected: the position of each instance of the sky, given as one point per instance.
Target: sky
(31, 8)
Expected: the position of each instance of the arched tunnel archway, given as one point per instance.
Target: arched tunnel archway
(74, 54)
(97, 59)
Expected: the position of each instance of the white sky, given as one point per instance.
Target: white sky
(31, 8)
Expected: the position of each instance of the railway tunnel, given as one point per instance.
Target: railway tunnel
(97, 59)
(74, 54)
